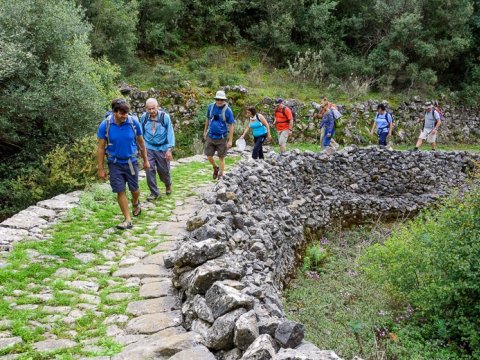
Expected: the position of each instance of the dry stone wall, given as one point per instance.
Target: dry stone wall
(462, 122)
(245, 241)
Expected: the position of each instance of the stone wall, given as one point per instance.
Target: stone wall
(462, 122)
(246, 240)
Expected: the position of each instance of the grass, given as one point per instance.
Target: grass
(88, 228)
(341, 309)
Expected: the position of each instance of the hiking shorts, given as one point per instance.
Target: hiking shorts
(427, 135)
(283, 137)
(216, 145)
(120, 174)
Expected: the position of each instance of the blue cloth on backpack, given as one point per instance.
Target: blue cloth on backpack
(328, 121)
(383, 122)
(163, 134)
(123, 144)
(217, 128)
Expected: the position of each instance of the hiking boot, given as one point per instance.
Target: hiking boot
(215, 172)
(168, 190)
(152, 197)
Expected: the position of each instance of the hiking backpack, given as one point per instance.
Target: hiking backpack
(284, 110)
(161, 119)
(440, 114)
(386, 117)
(108, 117)
(224, 110)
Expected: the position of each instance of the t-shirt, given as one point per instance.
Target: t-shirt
(217, 128)
(123, 144)
(430, 119)
(257, 127)
(383, 121)
(282, 122)
(163, 137)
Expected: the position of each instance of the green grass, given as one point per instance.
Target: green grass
(83, 230)
(341, 309)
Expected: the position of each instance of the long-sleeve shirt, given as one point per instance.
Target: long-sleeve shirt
(158, 136)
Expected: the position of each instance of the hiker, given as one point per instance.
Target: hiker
(384, 123)
(260, 129)
(218, 132)
(119, 136)
(431, 123)
(328, 122)
(159, 139)
(283, 123)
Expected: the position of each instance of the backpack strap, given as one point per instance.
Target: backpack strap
(224, 111)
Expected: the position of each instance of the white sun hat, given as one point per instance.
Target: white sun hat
(220, 95)
(241, 144)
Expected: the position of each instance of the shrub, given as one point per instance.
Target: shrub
(169, 78)
(433, 263)
(315, 257)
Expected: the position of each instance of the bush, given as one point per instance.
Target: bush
(433, 263)
(315, 257)
(169, 78)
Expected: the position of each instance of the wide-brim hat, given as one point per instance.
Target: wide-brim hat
(220, 95)
(427, 105)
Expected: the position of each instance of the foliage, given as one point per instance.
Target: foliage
(433, 263)
(315, 257)
(114, 24)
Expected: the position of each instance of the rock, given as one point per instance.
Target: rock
(199, 280)
(83, 285)
(139, 270)
(202, 310)
(263, 348)
(118, 296)
(290, 333)
(234, 354)
(152, 306)
(268, 325)
(53, 345)
(199, 352)
(246, 330)
(220, 335)
(221, 299)
(312, 352)
(191, 254)
(7, 342)
(156, 289)
(152, 323)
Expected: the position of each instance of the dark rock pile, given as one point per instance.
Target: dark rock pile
(245, 242)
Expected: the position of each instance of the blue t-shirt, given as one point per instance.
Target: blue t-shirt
(163, 138)
(383, 122)
(217, 128)
(257, 127)
(123, 144)
(328, 121)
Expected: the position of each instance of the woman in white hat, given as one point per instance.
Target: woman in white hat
(260, 129)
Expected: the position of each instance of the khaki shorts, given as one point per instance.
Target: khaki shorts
(283, 137)
(427, 135)
(218, 145)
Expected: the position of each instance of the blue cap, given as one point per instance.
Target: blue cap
(278, 101)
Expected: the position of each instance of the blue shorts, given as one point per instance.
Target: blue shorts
(121, 174)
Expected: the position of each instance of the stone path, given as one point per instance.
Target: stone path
(129, 275)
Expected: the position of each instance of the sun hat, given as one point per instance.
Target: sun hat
(220, 95)
(241, 144)
(427, 105)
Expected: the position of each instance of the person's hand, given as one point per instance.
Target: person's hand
(389, 134)
(205, 136)
(371, 133)
(241, 137)
(168, 155)
(434, 131)
(146, 165)
(229, 145)
(269, 137)
(101, 174)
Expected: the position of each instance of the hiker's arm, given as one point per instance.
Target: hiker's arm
(143, 152)
(265, 122)
(290, 119)
(205, 129)
(100, 157)
(373, 127)
(170, 138)
(230, 136)
(390, 128)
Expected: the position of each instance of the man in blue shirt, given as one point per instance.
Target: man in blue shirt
(159, 140)
(118, 136)
(218, 132)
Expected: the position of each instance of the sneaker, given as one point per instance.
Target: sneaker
(215, 172)
(152, 197)
(125, 225)
(168, 191)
